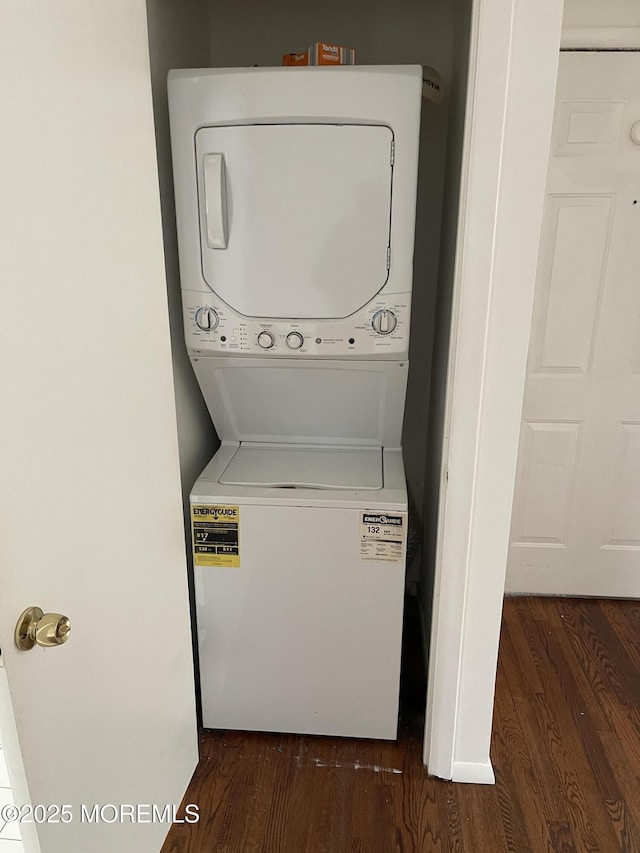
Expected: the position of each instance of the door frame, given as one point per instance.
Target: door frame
(13, 758)
(513, 60)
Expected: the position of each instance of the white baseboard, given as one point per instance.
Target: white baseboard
(528, 581)
(474, 772)
(600, 38)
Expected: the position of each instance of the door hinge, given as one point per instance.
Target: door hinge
(393, 151)
(388, 257)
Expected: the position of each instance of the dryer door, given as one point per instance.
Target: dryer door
(295, 218)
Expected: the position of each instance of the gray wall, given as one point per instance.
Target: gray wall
(449, 233)
(179, 38)
(227, 33)
(408, 31)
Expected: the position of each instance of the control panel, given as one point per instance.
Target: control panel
(379, 330)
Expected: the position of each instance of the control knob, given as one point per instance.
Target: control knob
(384, 322)
(266, 340)
(207, 319)
(294, 340)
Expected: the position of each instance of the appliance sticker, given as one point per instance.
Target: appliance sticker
(382, 537)
(216, 535)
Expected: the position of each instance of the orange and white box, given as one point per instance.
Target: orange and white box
(322, 53)
(296, 58)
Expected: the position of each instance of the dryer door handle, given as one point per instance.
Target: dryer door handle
(215, 200)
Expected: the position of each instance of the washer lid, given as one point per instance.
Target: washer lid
(295, 218)
(305, 466)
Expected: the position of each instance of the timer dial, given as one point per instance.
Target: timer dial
(207, 319)
(294, 340)
(384, 322)
(266, 340)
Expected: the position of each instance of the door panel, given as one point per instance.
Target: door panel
(625, 504)
(550, 452)
(573, 256)
(90, 490)
(576, 513)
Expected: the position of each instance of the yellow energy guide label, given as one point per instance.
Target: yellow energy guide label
(216, 535)
(382, 537)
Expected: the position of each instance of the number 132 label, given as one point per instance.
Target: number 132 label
(382, 537)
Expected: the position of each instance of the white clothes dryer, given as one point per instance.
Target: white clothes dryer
(295, 198)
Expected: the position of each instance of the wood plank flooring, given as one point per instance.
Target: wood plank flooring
(566, 753)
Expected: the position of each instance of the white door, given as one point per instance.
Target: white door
(576, 513)
(89, 493)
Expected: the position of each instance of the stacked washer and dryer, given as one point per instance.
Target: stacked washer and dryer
(295, 197)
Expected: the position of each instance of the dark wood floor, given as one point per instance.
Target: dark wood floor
(566, 753)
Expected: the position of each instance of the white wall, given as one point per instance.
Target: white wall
(411, 31)
(603, 13)
(601, 23)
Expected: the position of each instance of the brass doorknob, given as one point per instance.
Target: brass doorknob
(43, 629)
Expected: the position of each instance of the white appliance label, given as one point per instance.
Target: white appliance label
(382, 537)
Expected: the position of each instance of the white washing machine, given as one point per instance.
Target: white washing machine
(295, 198)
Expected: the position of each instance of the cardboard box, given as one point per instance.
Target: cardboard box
(322, 53)
(296, 58)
